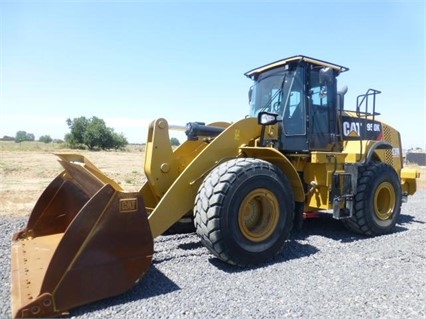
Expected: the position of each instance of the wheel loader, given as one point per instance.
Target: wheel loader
(245, 185)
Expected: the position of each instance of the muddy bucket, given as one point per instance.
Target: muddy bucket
(86, 239)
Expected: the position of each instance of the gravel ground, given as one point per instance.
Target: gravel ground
(325, 272)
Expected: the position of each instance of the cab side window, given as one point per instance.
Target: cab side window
(295, 114)
(319, 105)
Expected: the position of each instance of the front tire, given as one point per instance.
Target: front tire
(377, 204)
(244, 211)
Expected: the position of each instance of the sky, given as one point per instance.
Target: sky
(130, 62)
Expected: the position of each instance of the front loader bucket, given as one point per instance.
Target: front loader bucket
(85, 240)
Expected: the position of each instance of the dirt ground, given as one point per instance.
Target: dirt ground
(25, 174)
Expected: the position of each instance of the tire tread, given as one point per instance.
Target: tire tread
(207, 203)
(359, 223)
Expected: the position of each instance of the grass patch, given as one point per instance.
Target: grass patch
(8, 168)
(134, 178)
(27, 146)
(35, 146)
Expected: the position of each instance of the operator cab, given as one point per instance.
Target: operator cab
(302, 91)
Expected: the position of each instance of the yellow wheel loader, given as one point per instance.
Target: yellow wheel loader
(245, 185)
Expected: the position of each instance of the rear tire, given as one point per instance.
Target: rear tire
(244, 211)
(377, 204)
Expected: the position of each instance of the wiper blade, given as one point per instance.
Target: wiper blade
(267, 104)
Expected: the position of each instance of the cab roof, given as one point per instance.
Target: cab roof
(296, 58)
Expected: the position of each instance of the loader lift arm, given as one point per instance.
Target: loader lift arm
(186, 168)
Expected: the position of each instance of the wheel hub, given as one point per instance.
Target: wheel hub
(258, 215)
(384, 201)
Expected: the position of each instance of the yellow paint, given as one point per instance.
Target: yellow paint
(275, 157)
(178, 200)
(237, 135)
(408, 180)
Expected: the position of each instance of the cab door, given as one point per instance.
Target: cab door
(321, 100)
(294, 116)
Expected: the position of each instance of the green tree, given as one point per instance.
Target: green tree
(174, 141)
(119, 141)
(78, 127)
(24, 136)
(94, 134)
(30, 137)
(20, 136)
(45, 139)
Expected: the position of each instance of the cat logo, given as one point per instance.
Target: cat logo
(351, 128)
(128, 205)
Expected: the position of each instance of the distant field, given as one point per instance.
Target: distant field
(50, 147)
(29, 146)
(27, 168)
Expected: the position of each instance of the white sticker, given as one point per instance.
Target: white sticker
(395, 152)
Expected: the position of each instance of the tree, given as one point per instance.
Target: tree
(94, 134)
(78, 127)
(174, 141)
(24, 136)
(119, 141)
(45, 139)
(20, 136)
(30, 137)
(97, 134)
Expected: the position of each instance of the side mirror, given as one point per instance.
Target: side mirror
(326, 76)
(267, 118)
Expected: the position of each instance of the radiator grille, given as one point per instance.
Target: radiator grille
(391, 139)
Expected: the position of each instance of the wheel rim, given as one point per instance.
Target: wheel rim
(258, 215)
(384, 201)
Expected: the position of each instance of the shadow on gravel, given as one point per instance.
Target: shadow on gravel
(326, 226)
(190, 246)
(292, 250)
(407, 219)
(153, 283)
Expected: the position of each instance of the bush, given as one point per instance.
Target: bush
(7, 138)
(45, 139)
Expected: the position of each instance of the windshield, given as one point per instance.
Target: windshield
(281, 92)
(270, 93)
